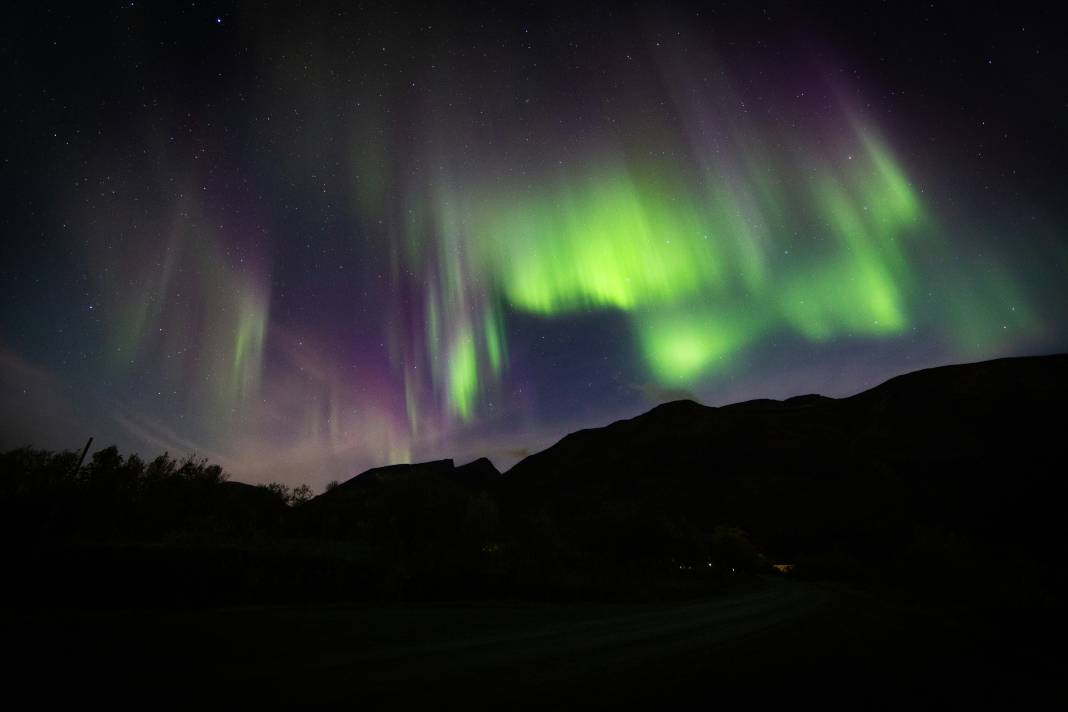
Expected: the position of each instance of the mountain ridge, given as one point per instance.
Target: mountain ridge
(690, 407)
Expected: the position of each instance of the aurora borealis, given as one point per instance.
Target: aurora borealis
(310, 242)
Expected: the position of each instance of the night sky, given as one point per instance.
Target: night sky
(327, 238)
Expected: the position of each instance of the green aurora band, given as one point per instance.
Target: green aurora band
(697, 271)
(820, 246)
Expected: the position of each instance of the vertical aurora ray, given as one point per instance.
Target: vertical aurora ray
(251, 333)
(192, 312)
(462, 375)
(456, 352)
(493, 332)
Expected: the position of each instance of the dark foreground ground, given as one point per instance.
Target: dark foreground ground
(765, 641)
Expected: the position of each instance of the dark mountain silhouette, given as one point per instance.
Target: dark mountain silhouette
(950, 462)
(944, 472)
(479, 473)
(428, 521)
(421, 490)
(941, 475)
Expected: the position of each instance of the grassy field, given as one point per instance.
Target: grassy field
(765, 640)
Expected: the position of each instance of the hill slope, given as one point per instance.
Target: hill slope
(948, 460)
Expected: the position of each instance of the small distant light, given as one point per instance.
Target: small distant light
(218, 20)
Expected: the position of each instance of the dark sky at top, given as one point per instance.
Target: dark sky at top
(305, 240)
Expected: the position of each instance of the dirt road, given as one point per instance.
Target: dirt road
(773, 641)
